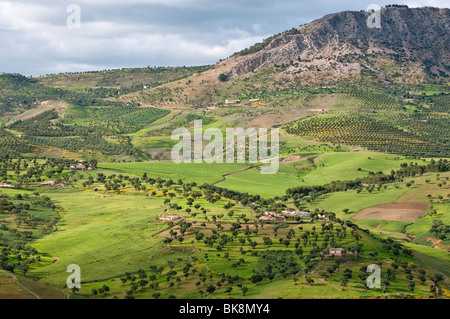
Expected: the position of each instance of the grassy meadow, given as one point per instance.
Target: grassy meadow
(110, 234)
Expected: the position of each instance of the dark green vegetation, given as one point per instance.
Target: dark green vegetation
(118, 120)
(221, 247)
(90, 117)
(26, 216)
(423, 132)
(83, 128)
(88, 129)
(378, 178)
(110, 83)
(21, 93)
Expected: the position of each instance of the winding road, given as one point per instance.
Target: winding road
(259, 165)
(232, 173)
(14, 278)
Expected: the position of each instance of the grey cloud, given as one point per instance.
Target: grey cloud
(34, 38)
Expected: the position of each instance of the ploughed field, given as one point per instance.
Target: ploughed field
(401, 212)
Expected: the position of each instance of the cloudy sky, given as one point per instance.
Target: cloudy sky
(38, 37)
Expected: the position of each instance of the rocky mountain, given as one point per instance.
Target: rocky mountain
(412, 47)
(416, 39)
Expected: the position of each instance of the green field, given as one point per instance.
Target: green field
(125, 237)
(356, 202)
(127, 244)
(323, 169)
(108, 225)
(131, 240)
(189, 172)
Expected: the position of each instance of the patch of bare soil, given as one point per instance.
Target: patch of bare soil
(278, 119)
(296, 158)
(401, 212)
(288, 159)
(39, 109)
(437, 243)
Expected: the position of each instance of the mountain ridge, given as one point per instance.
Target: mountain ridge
(412, 48)
(402, 30)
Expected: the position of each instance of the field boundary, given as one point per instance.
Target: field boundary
(16, 281)
(233, 173)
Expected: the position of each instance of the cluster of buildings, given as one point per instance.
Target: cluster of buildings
(272, 216)
(294, 213)
(81, 167)
(336, 252)
(6, 185)
(230, 101)
(169, 218)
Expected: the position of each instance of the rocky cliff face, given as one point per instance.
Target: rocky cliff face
(339, 42)
(412, 46)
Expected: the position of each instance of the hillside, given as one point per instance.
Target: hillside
(342, 43)
(332, 71)
(336, 71)
(336, 50)
(20, 93)
(87, 177)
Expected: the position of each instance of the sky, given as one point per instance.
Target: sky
(54, 36)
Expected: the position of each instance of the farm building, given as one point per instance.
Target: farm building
(295, 213)
(272, 218)
(48, 183)
(169, 218)
(78, 167)
(229, 101)
(337, 252)
(6, 185)
(81, 167)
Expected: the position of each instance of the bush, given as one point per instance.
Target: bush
(222, 77)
